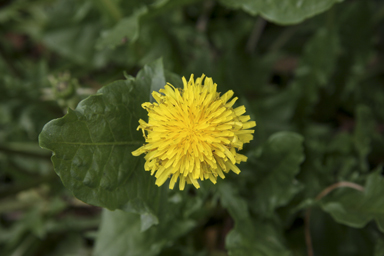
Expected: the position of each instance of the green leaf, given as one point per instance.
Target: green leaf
(333, 239)
(92, 148)
(277, 166)
(356, 23)
(315, 68)
(120, 234)
(255, 239)
(66, 32)
(230, 200)
(248, 237)
(379, 248)
(152, 74)
(282, 12)
(110, 9)
(355, 208)
(126, 28)
(173, 79)
(362, 136)
(73, 42)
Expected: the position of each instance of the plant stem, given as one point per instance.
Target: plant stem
(341, 184)
(326, 191)
(201, 24)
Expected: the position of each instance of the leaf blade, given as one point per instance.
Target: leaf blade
(92, 148)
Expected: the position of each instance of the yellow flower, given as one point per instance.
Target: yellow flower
(193, 133)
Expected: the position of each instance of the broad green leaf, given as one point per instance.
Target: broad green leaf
(120, 234)
(277, 166)
(126, 28)
(92, 148)
(362, 136)
(282, 12)
(355, 208)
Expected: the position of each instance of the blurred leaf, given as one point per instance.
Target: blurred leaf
(254, 239)
(92, 148)
(362, 136)
(110, 9)
(379, 248)
(230, 200)
(153, 74)
(282, 12)
(73, 42)
(355, 208)
(356, 37)
(173, 79)
(319, 56)
(277, 166)
(274, 112)
(126, 28)
(315, 68)
(120, 234)
(72, 244)
(248, 237)
(333, 239)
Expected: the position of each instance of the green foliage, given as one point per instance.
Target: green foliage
(287, 12)
(255, 239)
(356, 208)
(362, 137)
(127, 28)
(248, 237)
(92, 147)
(76, 72)
(315, 68)
(120, 234)
(278, 163)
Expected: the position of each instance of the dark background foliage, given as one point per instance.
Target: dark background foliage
(311, 73)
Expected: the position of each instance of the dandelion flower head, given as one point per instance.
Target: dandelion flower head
(193, 133)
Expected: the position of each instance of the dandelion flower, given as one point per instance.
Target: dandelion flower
(193, 133)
